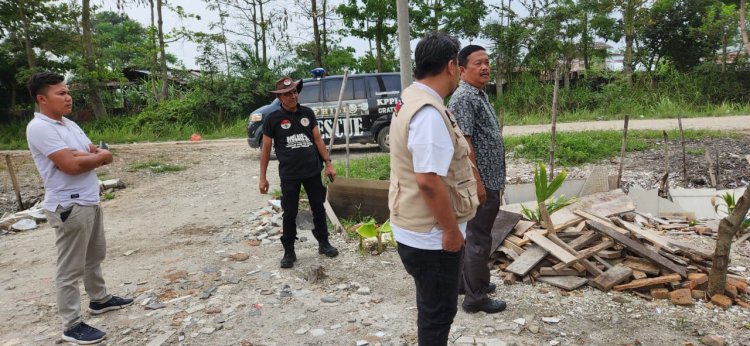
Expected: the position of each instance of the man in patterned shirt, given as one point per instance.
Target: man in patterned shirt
(476, 118)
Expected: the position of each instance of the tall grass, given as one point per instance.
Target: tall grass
(376, 167)
(115, 130)
(572, 149)
(705, 91)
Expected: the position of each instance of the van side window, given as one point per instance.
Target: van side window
(332, 88)
(358, 84)
(373, 84)
(392, 82)
(310, 93)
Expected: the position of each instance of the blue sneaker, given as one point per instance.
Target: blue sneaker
(113, 303)
(83, 334)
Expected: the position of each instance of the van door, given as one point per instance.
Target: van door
(353, 103)
(310, 95)
(385, 90)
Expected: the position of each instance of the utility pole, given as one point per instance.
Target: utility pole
(402, 12)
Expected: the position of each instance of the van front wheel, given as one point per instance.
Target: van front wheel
(384, 139)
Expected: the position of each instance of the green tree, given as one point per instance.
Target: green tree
(123, 42)
(461, 18)
(371, 20)
(721, 24)
(90, 75)
(507, 36)
(33, 34)
(674, 32)
(339, 59)
(629, 10)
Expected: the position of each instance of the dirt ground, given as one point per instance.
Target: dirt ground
(170, 236)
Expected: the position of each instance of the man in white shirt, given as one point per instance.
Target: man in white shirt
(66, 160)
(433, 191)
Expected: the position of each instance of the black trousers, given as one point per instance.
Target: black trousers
(475, 273)
(436, 275)
(316, 194)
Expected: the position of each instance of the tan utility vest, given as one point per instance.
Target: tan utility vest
(408, 208)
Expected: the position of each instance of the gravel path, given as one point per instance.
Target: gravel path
(170, 237)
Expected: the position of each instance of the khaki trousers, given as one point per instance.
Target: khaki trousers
(81, 248)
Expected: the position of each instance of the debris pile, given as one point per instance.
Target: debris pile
(30, 219)
(602, 241)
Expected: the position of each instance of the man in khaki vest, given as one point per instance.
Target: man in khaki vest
(433, 191)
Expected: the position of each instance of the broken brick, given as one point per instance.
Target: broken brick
(721, 301)
(741, 285)
(698, 294)
(696, 280)
(660, 293)
(742, 303)
(730, 291)
(681, 297)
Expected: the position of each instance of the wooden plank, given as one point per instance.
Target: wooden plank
(14, 181)
(503, 225)
(674, 258)
(603, 262)
(508, 252)
(522, 226)
(649, 282)
(652, 237)
(648, 268)
(610, 254)
(612, 277)
(637, 274)
(591, 216)
(527, 261)
(565, 218)
(549, 271)
(338, 227)
(638, 248)
(652, 218)
(710, 167)
(741, 239)
(553, 248)
(586, 239)
(681, 216)
(517, 249)
(353, 197)
(673, 226)
(516, 240)
(580, 256)
(582, 263)
(565, 282)
(692, 250)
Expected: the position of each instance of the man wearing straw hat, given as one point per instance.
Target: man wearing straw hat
(293, 131)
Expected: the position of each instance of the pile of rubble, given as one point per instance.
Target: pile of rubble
(30, 219)
(603, 241)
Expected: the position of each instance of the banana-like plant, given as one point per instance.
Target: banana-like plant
(544, 191)
(730, 202)
(370, 229)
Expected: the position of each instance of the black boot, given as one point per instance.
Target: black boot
(289, 256)
(327, 249)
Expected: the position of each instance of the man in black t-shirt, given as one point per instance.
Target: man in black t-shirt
(293, 131)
